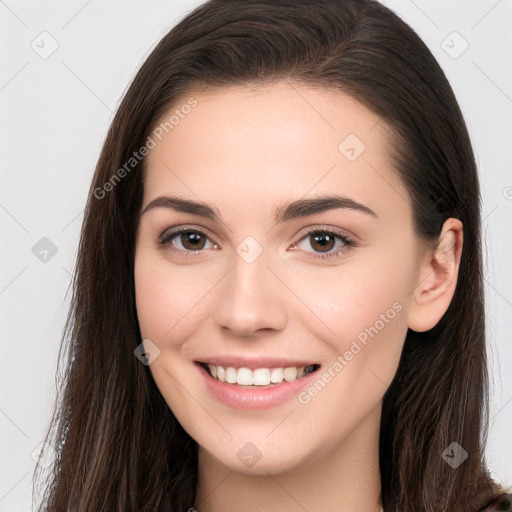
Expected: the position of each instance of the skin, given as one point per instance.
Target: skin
(245, 150)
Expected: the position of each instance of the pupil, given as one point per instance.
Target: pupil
(324, 246)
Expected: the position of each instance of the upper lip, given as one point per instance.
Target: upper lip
(256, 362)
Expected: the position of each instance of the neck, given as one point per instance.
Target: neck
(345, 479)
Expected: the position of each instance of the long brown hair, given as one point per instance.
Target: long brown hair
(119, 445)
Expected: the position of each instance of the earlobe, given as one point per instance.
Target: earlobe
(438, 275)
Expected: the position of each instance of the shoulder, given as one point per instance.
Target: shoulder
(501, 503)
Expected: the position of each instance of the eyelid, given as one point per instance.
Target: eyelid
(176, 230)
(325, 228)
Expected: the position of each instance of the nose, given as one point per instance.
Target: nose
(250, 300)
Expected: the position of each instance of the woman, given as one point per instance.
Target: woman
(278, 298)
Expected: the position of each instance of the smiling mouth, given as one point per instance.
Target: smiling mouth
(259, 376)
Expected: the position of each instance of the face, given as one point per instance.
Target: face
(290, 281)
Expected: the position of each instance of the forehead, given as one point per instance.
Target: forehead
(258, 145)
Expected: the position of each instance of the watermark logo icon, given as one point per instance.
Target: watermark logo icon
(249, 455)
(454, 45)
(351, 147)
(44, 250)
(44, 455)
(44, 45)
(249, 249)
(454, 455)
(146, 352)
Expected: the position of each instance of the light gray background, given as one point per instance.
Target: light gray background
(54, 115)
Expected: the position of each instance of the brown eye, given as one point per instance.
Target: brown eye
(186, 240)
(193, 240)
(322, 241)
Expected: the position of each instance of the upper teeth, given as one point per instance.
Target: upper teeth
(259, 376)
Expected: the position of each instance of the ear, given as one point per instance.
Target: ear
(437, 279)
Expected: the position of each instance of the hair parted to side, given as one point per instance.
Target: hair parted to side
(119, 446)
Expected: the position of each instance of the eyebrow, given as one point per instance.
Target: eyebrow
(282, 212)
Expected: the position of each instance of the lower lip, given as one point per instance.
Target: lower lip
(254, 398)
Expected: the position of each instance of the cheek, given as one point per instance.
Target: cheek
(359, 311)
(366, 313)
(169, 307)
(168, 297)
(354, 300)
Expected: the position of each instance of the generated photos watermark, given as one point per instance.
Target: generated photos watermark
(156, 136)
(342, 361)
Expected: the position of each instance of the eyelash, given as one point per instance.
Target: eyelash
(166, 238)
